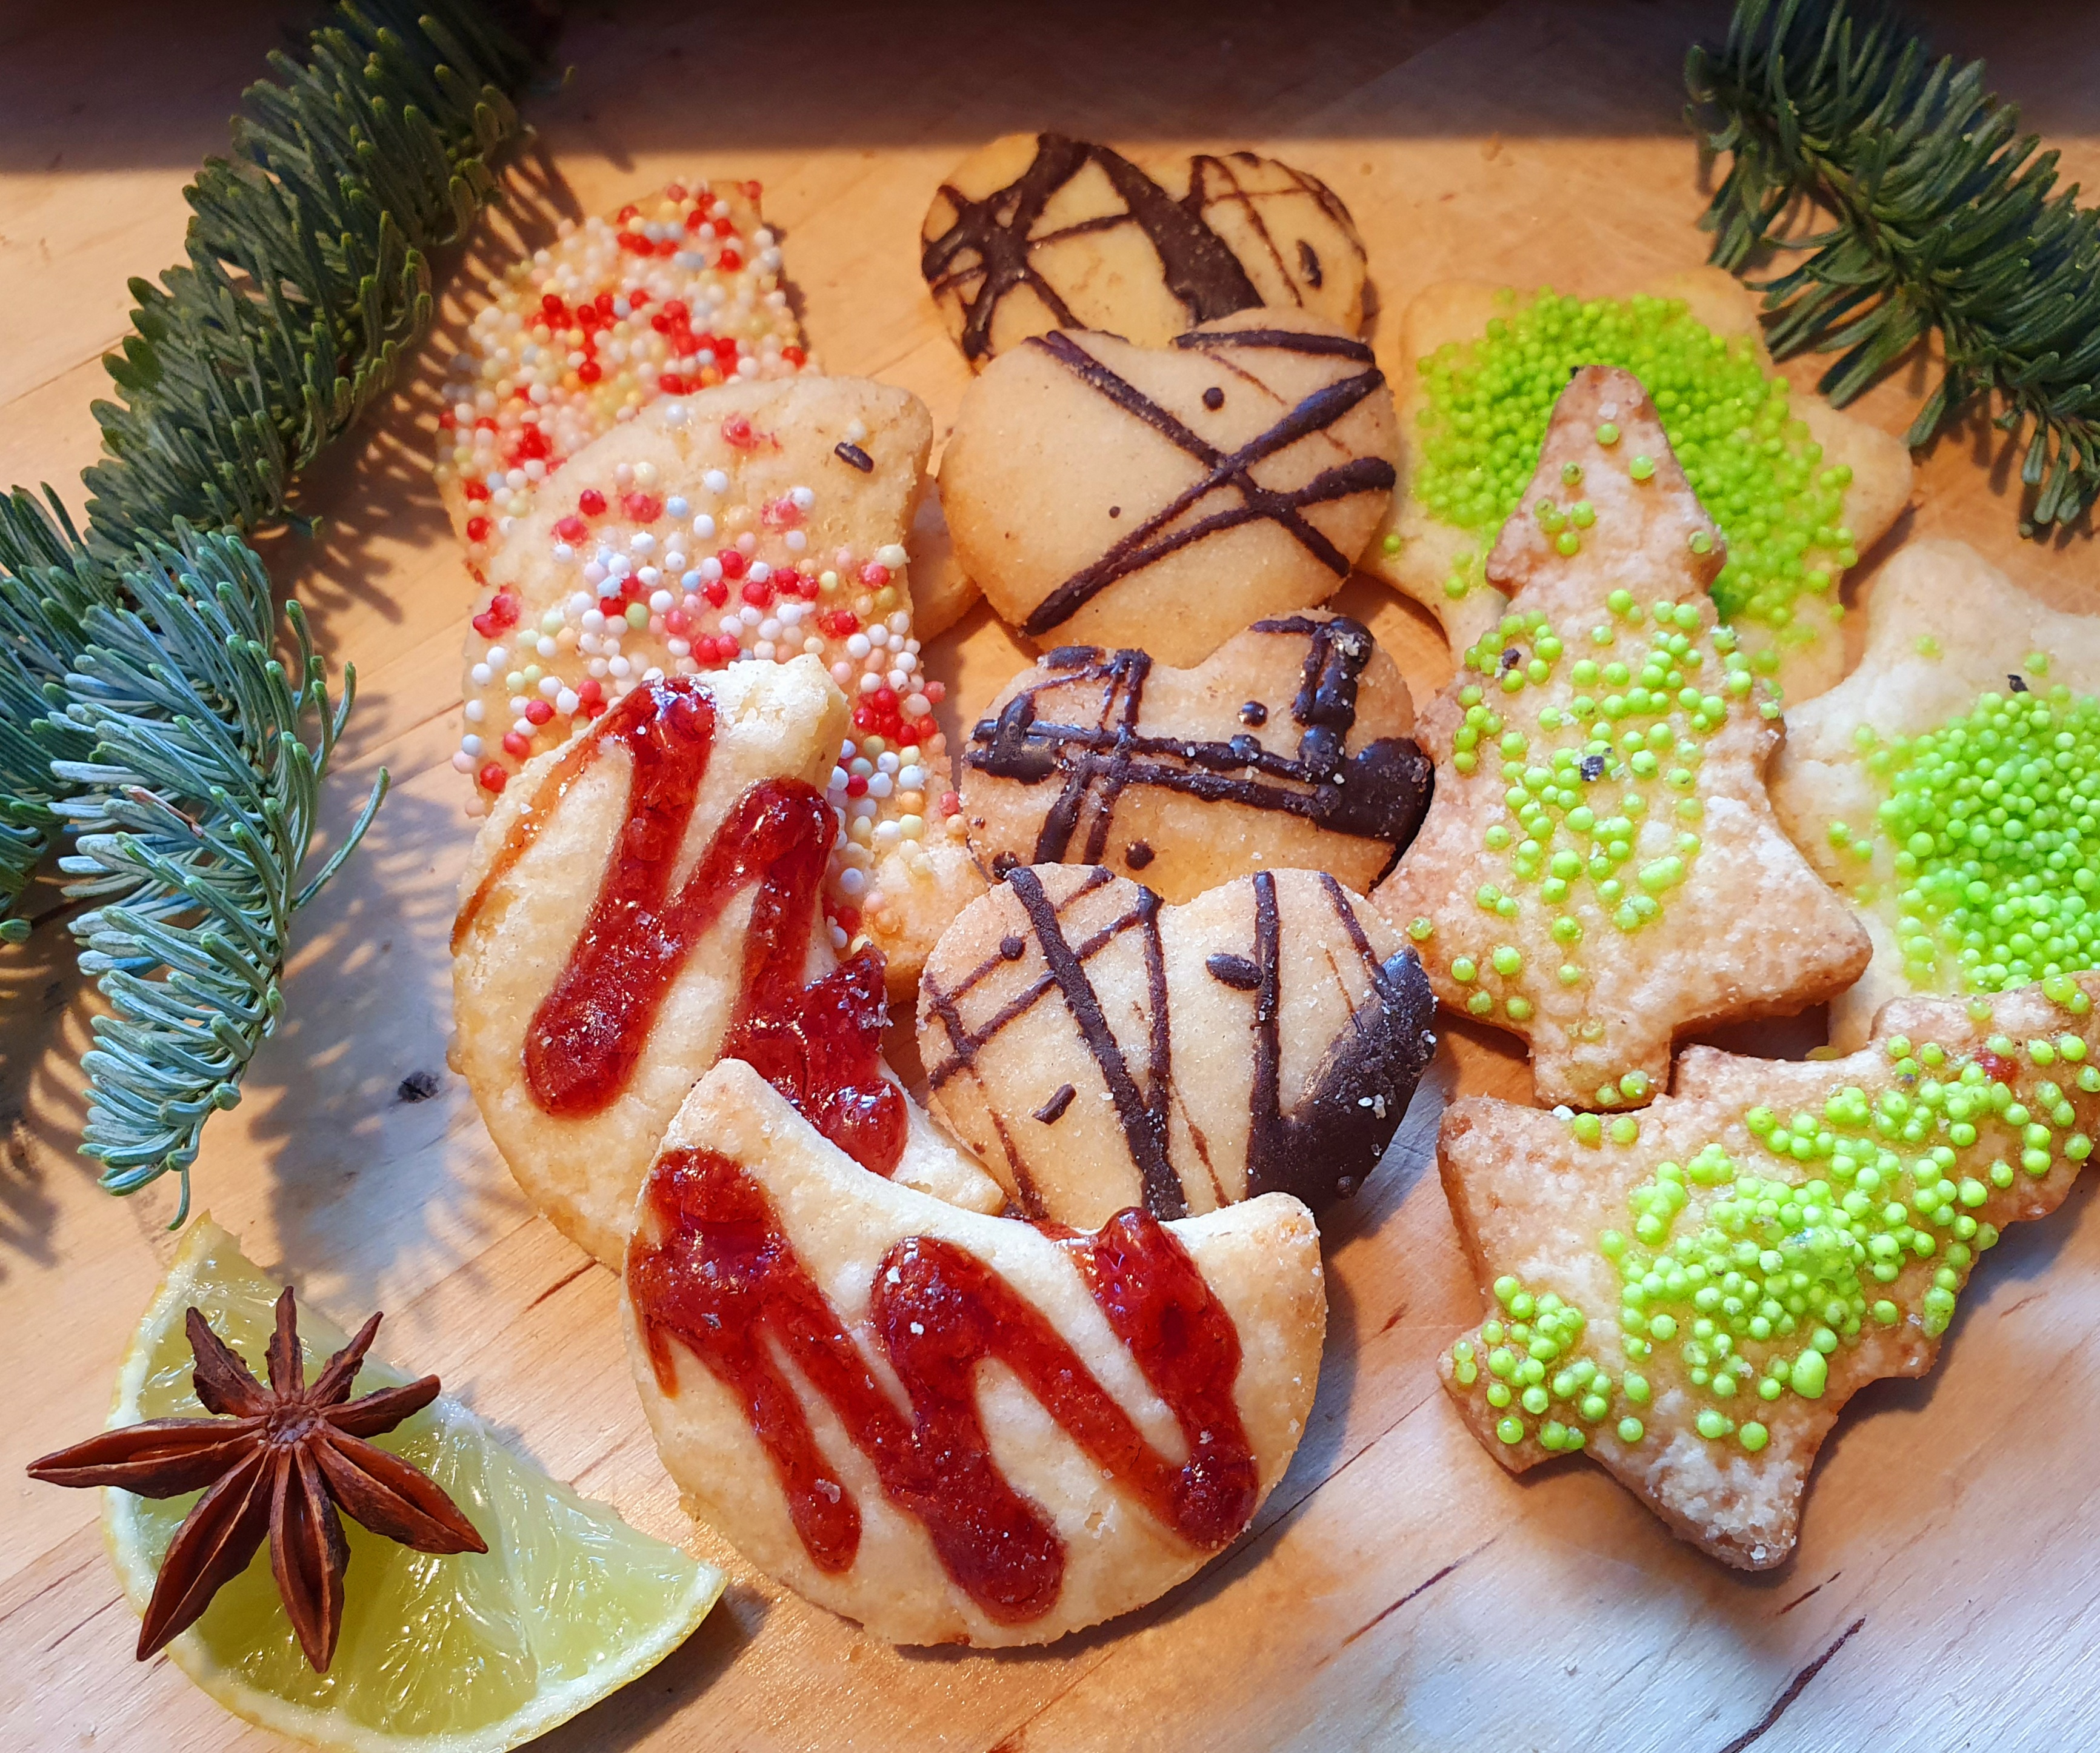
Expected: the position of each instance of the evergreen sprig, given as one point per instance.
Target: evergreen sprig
(143, 703)
(1946, 220)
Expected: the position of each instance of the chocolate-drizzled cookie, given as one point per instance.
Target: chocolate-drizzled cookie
(1041, 231)
(1164, 498)
(1290, 745)
(1099, 1048)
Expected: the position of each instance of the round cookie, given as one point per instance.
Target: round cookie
(1099, 1048)
(1288, 747)
(1828, 493)
(758, 521)
(1152, 1382)
(533, 890)
(1947, 785)
(1162, 499)
(1034, 232)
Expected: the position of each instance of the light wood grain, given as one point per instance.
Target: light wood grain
(1399, 1591)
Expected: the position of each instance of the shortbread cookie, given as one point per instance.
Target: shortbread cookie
(1098, 1049)
(645, 898)
(1102, 493)
(1947, 786)
(1691, 1296)
(1477, 369)
(1288, 745)
(761, 520)
(815, 1350)
(1600, 870)
(1039, 232)
(678, 292)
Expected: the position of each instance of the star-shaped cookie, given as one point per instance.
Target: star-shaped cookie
(1948, 785)
(1691, 1298)
(1601, 869)
(1835, 481)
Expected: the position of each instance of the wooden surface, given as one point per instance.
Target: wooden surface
(1398, 1591)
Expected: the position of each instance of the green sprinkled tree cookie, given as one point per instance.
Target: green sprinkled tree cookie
(1951, 785)
(1601, 869)
(1798, 489)
(1692, 1299)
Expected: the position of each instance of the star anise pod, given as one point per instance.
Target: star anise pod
(277, 1461)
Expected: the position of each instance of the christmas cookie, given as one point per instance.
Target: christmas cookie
(1690, 1297)
(810, 1343)
(1947, 785)
(1039, 231)
(675, 292)
(1288, 745)
(1098, 1048)
(648, 897)
(1600, 870)
(1798, 489)
(1162, 497)
(756, 521)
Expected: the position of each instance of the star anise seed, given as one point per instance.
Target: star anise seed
(274, 1463)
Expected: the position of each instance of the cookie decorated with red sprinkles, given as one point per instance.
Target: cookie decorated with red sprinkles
(757, 522)
(675, 292)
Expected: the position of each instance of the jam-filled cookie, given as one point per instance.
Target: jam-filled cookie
(1162, 497)
(1288, 745)
(1947, 786)
(1798, 489)
(760, 520)
(1099, 1048)
(1601, 869)
(810, 1343)
(1039, 232)
(648, 897)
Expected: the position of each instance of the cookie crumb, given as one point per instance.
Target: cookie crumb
(417, 1086)
(852, 454)
(1053, 1110)
(1137, 855)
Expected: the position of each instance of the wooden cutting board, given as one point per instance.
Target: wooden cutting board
(1399, 1590)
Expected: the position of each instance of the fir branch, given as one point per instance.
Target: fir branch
(192, 822)
(1947, 220)
(144, 706)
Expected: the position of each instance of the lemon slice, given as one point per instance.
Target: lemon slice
(451, 1654)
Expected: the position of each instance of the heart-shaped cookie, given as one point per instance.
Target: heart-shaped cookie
(1038, 232)
(1155, 1379)
(645, 898)
(1288, 747)
(1165, 498)
(1099, 1048)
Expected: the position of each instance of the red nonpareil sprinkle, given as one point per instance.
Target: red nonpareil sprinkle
(477, 529)
(671, 384)
(927, 728)
(590, 690)
(538, 711)
(630, 211)
(856, 786)
(446, 422)
(589, 371)
(532, 445)
(795, 356)
(476, 491)
(492, 777)
(936, 691)
(841, 623)
(875, 574)
(790, 582)
(781, 514)
(758, 593)
(504, 607)
(752, 190)
(730, 261)
(642, 508)
(884, 699)
(552, 305)
(674, 310)
(591, 503)
(676, 624)
(846, 918)
(733, 563)
(736, 430)
(695, 219)
(951, 802)
(637, 298)
(518, 743)
(632, 588)
(571, 529)
(716, 591)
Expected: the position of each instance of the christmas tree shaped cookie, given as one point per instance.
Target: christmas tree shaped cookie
(1950, 786)
(1691, 1296)
(1600, 870)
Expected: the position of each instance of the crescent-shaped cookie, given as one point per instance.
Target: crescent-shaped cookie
(1164, 498)
(600, 961)
(1098, 1048)
(1290, 745)
(954, 1428)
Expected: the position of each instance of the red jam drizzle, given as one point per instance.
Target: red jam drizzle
(818, 1045)
(720, 1278)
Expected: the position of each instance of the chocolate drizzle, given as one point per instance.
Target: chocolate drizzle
(1213, 181)
(990, 241)
(1152, 541)
(1380, 793)
(852, 454)
(1282, 340)
(1352, 1104)
(1053, 1110)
